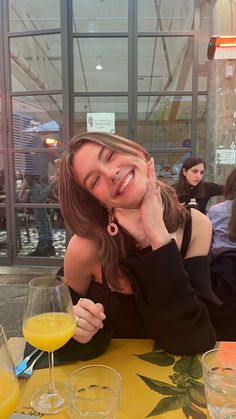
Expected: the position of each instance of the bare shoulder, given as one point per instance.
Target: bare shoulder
(201, 234)
(79, 261)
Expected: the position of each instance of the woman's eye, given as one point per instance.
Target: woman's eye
(110, 155)
(94, 182)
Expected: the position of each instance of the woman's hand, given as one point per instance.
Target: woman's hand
(152, 211)
(146, 224)
(90, 318)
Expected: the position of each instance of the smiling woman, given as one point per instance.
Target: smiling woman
(137, 258)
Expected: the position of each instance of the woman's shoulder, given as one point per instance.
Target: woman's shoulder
(201, 234)
(80, 263)
(81, 248)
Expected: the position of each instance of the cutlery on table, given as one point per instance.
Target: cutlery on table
(24, 363)
(29, 371)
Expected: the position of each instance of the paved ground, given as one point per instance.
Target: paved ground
(13, 290)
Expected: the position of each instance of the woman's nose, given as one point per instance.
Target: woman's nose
(113, 175)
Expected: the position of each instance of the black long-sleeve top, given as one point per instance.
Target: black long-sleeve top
(210, 189)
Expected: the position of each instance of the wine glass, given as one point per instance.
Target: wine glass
(9, 388)
(49, 322)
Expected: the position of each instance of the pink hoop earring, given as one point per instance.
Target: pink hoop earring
(112, 227)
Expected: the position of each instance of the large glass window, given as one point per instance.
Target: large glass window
(36, 63)
(165, 63)
(164, 121)
(101, 65)
(100, 16)
(167, 15)
(27, 15)
(106, 114)
(35, 114)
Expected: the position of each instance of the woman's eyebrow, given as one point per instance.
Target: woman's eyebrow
(100, 155)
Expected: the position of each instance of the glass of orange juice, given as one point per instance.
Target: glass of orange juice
(49, 323)
(9, 389)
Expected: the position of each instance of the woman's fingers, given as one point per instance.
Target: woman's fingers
(90, 318)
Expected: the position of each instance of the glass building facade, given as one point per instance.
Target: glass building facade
(136, 67)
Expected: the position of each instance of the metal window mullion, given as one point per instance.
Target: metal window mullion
(38, 32)
(132, 68)
(195, 77)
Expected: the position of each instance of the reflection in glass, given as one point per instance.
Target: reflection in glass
(36, 182)
(27, 233)
(201, 126)
(165, 63)
(113, 57)
(27, 15)
(3, 232)
(36, 63)
(36, 114)
(165, 15)
(100, 105)
(164, 121)
(1, 130)
(94, 16)
(204, 37)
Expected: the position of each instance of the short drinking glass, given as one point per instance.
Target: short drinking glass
(219, 374)
(94, 393)
(9, 389)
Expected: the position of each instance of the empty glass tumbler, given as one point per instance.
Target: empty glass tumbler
(219, 374)
(94, 393)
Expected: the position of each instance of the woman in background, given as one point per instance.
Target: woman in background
(191, 185)
(223, 218)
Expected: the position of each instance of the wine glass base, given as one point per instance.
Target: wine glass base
(46, 401)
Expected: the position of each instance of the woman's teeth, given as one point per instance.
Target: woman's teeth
(125, 183)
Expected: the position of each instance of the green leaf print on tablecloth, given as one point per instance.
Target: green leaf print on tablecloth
(185, 393)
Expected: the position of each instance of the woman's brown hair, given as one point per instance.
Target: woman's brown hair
(230, 193)
(85, 215)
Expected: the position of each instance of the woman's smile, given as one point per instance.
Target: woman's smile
(115, 179)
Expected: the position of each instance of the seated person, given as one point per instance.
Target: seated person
(223, 218)
(191, 185)
(137, 264)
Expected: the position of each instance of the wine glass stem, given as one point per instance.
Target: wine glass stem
(52, 387)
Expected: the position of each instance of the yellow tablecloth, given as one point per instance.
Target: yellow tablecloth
(155, 384)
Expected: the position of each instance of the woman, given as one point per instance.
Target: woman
(137, 258)
(191, 185)
(223, 218)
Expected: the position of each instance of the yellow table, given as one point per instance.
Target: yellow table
(155, 384)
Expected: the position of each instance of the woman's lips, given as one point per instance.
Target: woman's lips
(125, 183)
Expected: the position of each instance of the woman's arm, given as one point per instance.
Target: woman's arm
(175, 316)
(79, 265)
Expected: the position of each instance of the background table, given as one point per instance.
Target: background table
(155, 384)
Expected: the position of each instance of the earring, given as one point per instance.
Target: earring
(112, 228)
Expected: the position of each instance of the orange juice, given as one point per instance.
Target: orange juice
(49, 331)
(9, 393)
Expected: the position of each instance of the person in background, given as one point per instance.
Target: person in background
(137, 264)
(191, 185)
(223, 218)
(37, 180)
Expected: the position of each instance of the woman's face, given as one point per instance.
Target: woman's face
(116, 180)
(195, 174)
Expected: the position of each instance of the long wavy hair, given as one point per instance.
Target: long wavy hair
(182, 187)
(230, 193)
(88, 218)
